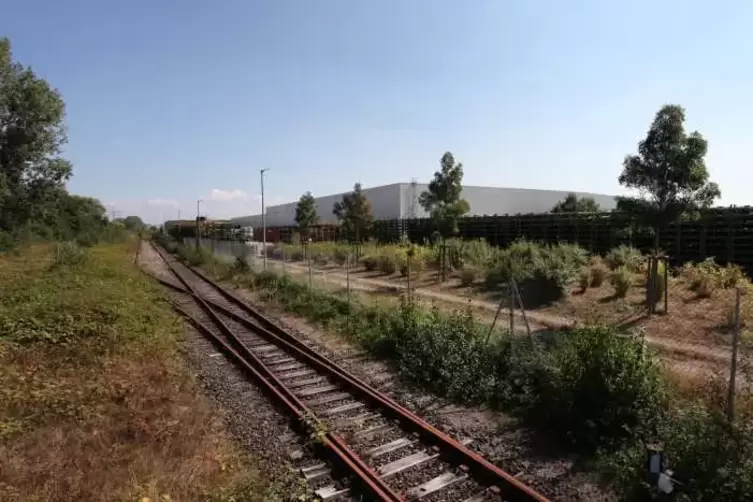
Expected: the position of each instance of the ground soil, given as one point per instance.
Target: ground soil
(693, 337)
(499, 437)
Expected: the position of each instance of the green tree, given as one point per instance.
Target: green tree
(669, 172)
(354, 214)
(305, 213)
(573, 204)
(133, 223)
(32, 133)
(442, 201)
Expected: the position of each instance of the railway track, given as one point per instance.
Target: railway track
(388, 452)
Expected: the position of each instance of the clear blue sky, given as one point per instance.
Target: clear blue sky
(168, 100)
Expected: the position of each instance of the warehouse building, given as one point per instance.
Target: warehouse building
(400, 201)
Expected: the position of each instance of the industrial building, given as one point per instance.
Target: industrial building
(400, 201)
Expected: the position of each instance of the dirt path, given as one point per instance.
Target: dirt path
(682, 352)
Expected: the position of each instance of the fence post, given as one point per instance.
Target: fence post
(308, 256)
(512, 309)
(733, 365)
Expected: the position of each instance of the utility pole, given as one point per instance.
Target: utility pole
(198, 227)
(263, 221)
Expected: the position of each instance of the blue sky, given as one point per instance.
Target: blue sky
(169, 101)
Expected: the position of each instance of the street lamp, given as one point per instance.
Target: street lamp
(263, 220)
(198, 227)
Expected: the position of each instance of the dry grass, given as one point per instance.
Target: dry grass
(104, 411)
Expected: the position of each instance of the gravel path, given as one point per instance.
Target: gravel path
(495, 435)
(248, 414)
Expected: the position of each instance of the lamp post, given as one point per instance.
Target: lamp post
(198, 227)
(263, 221)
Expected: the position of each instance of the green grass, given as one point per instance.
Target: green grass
(96, 402)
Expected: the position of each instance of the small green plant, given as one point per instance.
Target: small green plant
(297, 254)
(370, 262)
(387, 263)
(624, 256)
(467, 275)
(599, 274)
(69, 253)
(584, 279)
(340, 257)
(621, 280)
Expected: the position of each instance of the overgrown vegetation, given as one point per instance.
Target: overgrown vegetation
(91, 371)
(603, 394)
(574, 204)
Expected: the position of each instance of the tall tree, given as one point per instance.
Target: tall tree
(442, 201)
(354, 213)
(669, 173)
(574, 204)
(305, 213)
(32, 132)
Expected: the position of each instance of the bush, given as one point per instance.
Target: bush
(370, 262)
(320, 259)
(599, 273)
(69, 253)
(584, 279)
(387, 263)
(416, 264)
(542, 272)
(597, 389)
(340, 257)
(709, 455)
(297, 254)
(621, 280)
(624, 256)
(467, 275)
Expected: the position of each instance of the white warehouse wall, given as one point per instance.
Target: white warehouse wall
(400, 200)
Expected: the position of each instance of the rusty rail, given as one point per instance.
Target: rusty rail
(479, 468)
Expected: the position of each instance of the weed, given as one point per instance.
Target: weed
(599, 273)
(467, 275)
(370, 262)
(69, 253)
(92, 370)
(387, 263)
(584, 279)
(621, 279)
(624, 256)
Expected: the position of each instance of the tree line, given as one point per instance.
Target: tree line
(668, 173)
(34, 201)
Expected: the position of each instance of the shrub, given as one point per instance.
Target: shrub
(732, 276)
(599, 273)
(584, 279)
(69, 253)
(597, 389)
(370, 262)
(387, 263)
(416, 263)
(543, 272)
(297, 254)
(621, 280)
(467, 275)
(624, 256)
(319, 259)
(340, 257)
(708, 454)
